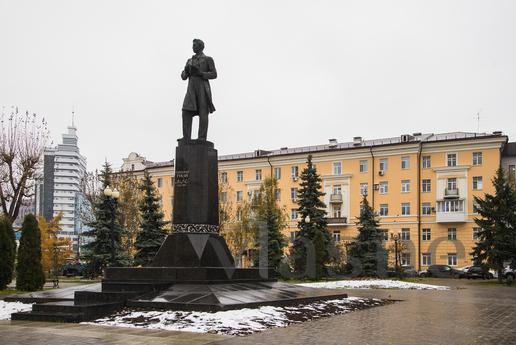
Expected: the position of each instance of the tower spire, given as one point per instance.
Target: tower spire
(73, 117)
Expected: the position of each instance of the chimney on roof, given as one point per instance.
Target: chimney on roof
(417, 134)
(497, 133)
(284, 148)
(357, 141)
(333, 143)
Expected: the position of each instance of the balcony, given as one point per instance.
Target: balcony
(451, 193)
(450, 211)
(337, 221)
(336, 198)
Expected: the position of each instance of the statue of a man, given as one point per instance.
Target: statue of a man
(198, 70)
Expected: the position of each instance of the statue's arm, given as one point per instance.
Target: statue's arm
(185, 74)
(212, 73)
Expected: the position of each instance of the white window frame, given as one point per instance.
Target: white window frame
(405, 186)
(426, 206)
(405, 234)
(384, 187)
(277, 194)
(224, 177)
(294, 171)
(364, 165)
(293, 193)
(384, 210)
(405, 259)
(239, 196)
(426, 185)
(277, 173)
(426, 259)
(448, 159)
(426, 234)
(405, 206)
(426, 162)
(475, 232)
(240, 176)
(405, 162)
(224, 197)
(337, 168)
(478, 158)
(336, 235)
(258, 174)
(293, 214)
(452, 259)
(364, 188)
(452, 234)
(384, 164)
(478, 182)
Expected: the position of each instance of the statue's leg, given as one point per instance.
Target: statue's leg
(203, 126)
(187, 124)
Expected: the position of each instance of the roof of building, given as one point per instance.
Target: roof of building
(357, 142)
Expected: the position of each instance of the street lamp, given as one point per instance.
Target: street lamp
(396, 239)
(112, 196)
(307, 219)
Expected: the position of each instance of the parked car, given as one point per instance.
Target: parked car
(73, 270)
(440, 271)
(478, 272)
(509, 273)
(408, 271)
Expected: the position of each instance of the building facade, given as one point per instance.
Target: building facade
(421, 185)
(59, 190)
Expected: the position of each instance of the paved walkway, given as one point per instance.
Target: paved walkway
(473, 313)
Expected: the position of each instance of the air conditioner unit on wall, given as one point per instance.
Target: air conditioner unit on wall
(376, 186)
(381, 172)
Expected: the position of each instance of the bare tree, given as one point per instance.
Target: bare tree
(23, 138)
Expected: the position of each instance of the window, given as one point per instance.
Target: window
(476, 206)
(426, 234)
(336, 236)
(451, 159)
(239, 195)
(337, 168)
(405, 208)
(160, 182)
(384, 187)
(293, 235)
(477, 182)
(405, 186)
(277, 173)
(405, 162)
(426, 185)
(363, 166)
(452, 234)
(476, 232)
(426, 259)
(293, 213)
(224, 177)
(172, 181)
(294, 171)
(240, 176)
(224, 197)
(363, 188)
(477, 158)
(405, 259)
(426, 208)
(258, 174)
(384, 209)
(336, 211)
(337, 189)
(426, 162)
(293, 194)
(405, 234)
(383, 164)
(512, 171)
(452, 259)
(450, 206)
(452, 183)
(239, 215)
(277, 194)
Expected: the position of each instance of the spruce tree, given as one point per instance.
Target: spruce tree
(7, 252)
(152, 229)
(270, 220)
(311, 250)
(496, 242)
(29, 270)
(367, 254)
(105, 248)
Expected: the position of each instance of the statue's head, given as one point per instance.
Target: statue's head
(198, 46)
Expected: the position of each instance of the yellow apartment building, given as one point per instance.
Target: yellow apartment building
(421, 185)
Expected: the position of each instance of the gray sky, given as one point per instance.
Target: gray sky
(291, 73)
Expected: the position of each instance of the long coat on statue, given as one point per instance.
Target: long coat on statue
(198, 94)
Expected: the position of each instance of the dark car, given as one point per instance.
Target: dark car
(477, 272)
(440, 271)
(73, 270)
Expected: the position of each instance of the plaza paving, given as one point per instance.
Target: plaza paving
(470, 313)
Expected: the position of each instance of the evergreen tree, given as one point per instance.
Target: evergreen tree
(311, 250)
(152, 229)
(105, 248)
(29, 271)
(367, 254)
(496, 242)
(271, 220)
(7, 252)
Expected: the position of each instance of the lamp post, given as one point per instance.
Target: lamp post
(112, 196)
(396, 239)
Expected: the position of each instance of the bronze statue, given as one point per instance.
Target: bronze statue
(198, 70)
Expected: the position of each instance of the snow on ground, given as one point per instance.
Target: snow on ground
(7, 308)
(374, 284)
(236, 322)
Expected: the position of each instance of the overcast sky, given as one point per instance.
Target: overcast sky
(291, 73)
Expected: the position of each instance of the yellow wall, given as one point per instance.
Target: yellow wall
(351, 178)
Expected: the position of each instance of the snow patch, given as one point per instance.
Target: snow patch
(374, 284)
(236, 322)
(7, 308)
